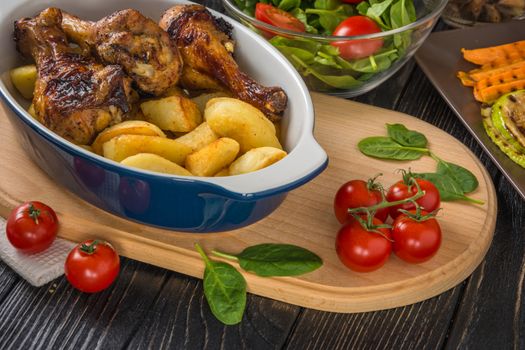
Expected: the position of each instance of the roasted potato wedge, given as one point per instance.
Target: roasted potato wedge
(203, 99)
(209, 160)
(124, 146)
(24, 79)
(238, 120)
(129, 127)
(223, 172)
(199, 137)
(256, 159)
(153, 162)
(174, 113)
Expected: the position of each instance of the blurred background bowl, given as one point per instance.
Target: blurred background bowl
(349, 78)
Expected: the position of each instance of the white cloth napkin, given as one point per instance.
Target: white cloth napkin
(37, 269)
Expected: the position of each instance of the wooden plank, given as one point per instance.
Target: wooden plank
(305, 219)
(146, 307)
(492, 313)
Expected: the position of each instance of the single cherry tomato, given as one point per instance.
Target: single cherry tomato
(362, 250)
(416, 241)
(359, 48)
(401, 190)
(32, 227)
(92, 266)
(355, 194)
(272, 15)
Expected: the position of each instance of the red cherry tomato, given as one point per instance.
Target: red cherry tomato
(272, 15)
(361, 250)
(32, 227)
(400, 190)
(416, 242)
(355, 49)
(355, 194)
(92, 266)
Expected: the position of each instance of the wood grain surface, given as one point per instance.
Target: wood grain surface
(153, 308)
(304, 219)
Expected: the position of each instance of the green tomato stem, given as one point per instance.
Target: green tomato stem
(34, 213)
(224, 255)
(386, 204)
(89, 249)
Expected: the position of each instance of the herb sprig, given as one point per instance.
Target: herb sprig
(453, 181)
(225, 287)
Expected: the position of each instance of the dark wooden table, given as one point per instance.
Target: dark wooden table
(149, 307)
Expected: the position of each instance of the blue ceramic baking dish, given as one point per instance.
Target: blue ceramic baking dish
(190, 204)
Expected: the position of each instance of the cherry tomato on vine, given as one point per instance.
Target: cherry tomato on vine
(360, 48)
(32, 227)
(362, 250)
(92, 266)
(416, 241)
(275, 16)
(355, 194)
(401, 190)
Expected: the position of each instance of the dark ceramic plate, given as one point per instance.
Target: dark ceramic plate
(440, 58)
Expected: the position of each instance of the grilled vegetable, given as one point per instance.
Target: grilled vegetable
(505, 125)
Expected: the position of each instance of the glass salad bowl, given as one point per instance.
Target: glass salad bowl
(348, 65)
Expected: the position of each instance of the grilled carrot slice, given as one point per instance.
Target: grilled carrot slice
(490, 94)
(501, 78)
(496, 55)
(470, 78)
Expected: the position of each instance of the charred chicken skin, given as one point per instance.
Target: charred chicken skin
(133, 41)
(205, 45)
(74, 95)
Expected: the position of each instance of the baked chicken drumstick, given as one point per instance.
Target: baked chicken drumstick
(133, 41)
(74, 95)
(205, 45)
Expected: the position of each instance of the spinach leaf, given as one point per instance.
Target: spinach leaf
(386, 148)
(373, 64)
(327, 4)
(337, 81)
(224, 289)
(406, 137)
(288, 5)
(463, 177)
(301, 16)
(270, 259)
(330, 19)
(375, 11)
(449, 190)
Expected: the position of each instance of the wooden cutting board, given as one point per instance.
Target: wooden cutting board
(305, 218)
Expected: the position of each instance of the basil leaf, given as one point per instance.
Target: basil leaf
(224, 289)
(406, 137)
(386, 148)
(463, 177)
(449, 190)
(271, 259)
